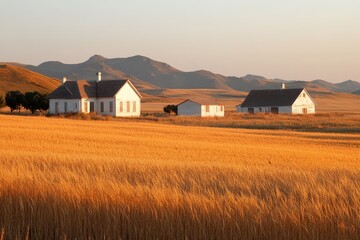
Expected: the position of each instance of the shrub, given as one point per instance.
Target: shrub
(170, 109)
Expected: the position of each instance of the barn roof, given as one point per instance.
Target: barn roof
(89, 89)
(202, 102)
(267, 98)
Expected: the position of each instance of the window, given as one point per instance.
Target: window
(65, 107)
(111, 106)
(121, 106)
(207, 108)
(75, 106)
(304, 94)
(128, 106)
(56, 107)
(102, 107)
(260, 109)
(134, 106)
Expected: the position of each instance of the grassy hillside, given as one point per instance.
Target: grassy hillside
(144, 71)
(67, 179)
(24, 80)
(326, 101)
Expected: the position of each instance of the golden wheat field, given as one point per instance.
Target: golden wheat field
(73, 179)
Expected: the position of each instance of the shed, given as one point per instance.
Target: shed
(202, 108)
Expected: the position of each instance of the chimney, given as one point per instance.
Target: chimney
(63, 80)
(283, 86)
(99, 76)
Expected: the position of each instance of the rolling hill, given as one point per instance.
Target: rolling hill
(161, 83)
(147, 73)
(24, 80)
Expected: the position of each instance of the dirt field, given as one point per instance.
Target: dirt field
(67, 179)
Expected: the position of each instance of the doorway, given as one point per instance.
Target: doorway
(274, 110)
(92, 107)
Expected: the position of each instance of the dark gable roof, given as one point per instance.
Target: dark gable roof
(89, 89)
(268, 98)
(108, 88)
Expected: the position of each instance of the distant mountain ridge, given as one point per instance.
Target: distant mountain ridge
(147, 74)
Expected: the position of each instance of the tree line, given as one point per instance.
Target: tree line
(32, 101)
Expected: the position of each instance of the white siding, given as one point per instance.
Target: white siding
(85, 105)
(214, 111)
(189, 108)
(303, 102)
(125, 95)
(241, 109)
(73, 105)
(285, 109)
(282, 109)
(106, 102)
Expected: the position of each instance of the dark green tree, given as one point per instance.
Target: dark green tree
(44, 103)
(2, 101)
(170, 109)
(35, 101)
(14, 100)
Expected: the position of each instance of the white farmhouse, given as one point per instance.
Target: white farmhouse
(200, 108)
(108, 97)
(291, 101)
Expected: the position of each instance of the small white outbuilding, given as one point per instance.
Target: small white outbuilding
(117, 98)
(202, 108)
(290, 101)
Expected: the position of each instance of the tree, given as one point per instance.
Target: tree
(170, 109)
(2, 101)
(44, 103)
(14, 100)
(35, 101)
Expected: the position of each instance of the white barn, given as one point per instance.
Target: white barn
(290, 101)
(117, 98)
(200, 108)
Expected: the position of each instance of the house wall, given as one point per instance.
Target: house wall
(189, 108)
(214, 111)
(73, 105)
(106, 102)
(282, 109)
(86, 102)
(127, 94)
(303, 101)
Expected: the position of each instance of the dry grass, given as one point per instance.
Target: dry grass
(67, 179)
(17, 78)
(326, 122)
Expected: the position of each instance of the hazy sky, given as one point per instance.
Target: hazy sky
(289, 39)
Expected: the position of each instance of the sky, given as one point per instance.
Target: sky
(287, 39)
